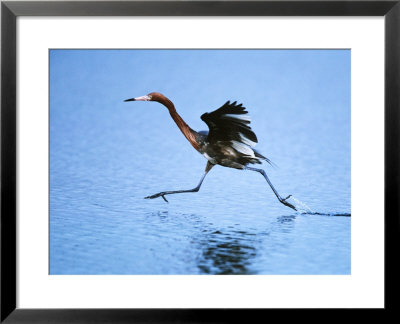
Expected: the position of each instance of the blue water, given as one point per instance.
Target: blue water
(107, 155)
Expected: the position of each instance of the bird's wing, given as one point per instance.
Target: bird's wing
(230, 123)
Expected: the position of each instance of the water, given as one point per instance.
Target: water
(107, 155)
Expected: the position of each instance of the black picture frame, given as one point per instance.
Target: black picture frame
(10, 10)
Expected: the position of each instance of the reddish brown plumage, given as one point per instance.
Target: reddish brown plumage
(189, 133)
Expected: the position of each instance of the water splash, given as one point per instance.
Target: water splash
(303, 209)
(300, 206)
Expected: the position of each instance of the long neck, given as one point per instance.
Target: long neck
(189, 133)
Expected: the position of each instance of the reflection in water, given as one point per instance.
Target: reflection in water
(227, 253)
(234, 251)
(228, 249)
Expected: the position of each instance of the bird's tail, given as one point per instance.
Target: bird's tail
(262, 157)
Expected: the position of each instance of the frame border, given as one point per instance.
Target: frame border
(10, 10)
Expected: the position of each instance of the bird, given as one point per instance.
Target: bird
(229, 142)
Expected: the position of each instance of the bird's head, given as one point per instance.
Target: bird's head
(153, 96)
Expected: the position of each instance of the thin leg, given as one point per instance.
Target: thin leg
(196, 189)
(283, 201)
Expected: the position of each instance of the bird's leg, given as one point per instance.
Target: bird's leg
(196, 189)
(282, 200)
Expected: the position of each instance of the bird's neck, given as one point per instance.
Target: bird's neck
(189, 133)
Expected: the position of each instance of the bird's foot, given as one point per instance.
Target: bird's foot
(283, 201)
(160, 194)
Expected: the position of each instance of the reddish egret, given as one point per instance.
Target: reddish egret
(229, 142)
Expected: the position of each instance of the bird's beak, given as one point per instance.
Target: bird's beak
(143, 98)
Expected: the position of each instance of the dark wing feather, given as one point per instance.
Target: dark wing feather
(229, 123)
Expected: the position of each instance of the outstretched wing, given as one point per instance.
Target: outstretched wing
(230, 123)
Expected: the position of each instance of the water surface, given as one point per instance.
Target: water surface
(107, 155)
